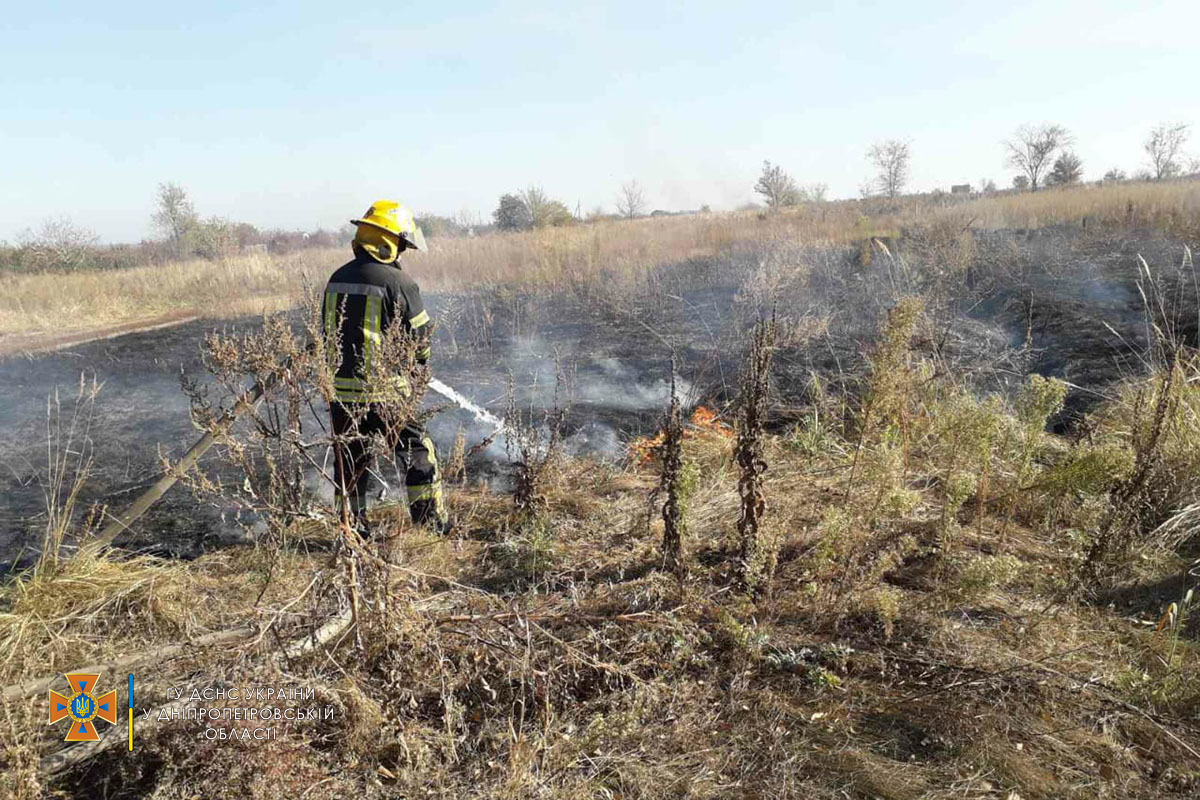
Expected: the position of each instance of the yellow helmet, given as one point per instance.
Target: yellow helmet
(384, 226)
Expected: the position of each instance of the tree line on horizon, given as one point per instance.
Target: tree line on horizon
(1041, 155)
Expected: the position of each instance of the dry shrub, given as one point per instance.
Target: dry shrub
(965, 432)
(285, 441)
(860, 540)
(533, 441)
(919, 425)
(941, 251)
(68, 467)
(975, 577)
(1039, 399)
(883, 425)
(1018, 771)
(1153, 430)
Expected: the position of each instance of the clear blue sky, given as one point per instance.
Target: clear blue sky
(297, 115)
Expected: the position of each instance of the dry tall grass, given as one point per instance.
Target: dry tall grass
(72, 301)
(1170, 206)
(257, 282)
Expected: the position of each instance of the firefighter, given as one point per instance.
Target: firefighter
(362, 300)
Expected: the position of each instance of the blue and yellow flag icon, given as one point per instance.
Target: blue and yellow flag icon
(83, 706)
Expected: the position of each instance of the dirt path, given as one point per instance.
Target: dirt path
(49, 341)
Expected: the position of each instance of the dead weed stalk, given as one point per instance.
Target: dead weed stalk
(756, 557)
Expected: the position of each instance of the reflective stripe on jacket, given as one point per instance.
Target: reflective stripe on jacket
(362, 300)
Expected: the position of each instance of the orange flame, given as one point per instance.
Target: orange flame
(703, 420)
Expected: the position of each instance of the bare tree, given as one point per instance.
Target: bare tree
(890, 159)
(1032, 149)
(57, 244)
(468, 220)
(816, 192)
(632, 200)
(1163, 146)
(777, 187)
(175, 216)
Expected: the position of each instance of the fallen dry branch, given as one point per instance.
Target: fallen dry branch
(120, 524)
(986, 677)
(329, 631)
(640, 616)
(158, 654)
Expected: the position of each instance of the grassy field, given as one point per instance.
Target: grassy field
(33, 306)
(888, 583)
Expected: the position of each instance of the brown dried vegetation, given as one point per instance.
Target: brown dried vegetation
(915, 625)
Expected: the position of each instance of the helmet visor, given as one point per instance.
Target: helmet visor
(415, 239)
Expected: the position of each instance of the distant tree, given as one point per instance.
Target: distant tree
(777, 187)
(1163, 145)
(538, 203)
(890, 159)
(987, 186)
(174, 215)
(247, 234)
(468, 219)
(1114, 175)
(434, 225)
(816, 192)
(632, 200)
(555, 214)
(706, 209)
(543, 211)
(1032, 149)
(1020, 182)
(215, 237)
(57, 244)
(512, 214)
(1068, 169)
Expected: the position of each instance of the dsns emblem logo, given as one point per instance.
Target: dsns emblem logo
(82, 707)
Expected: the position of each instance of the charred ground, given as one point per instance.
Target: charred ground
(930, 627)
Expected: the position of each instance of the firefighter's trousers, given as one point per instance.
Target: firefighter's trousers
(355, 426)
